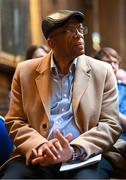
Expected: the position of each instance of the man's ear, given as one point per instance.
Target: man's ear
(51, 43)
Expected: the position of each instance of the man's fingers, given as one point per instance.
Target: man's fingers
(54, 146)
(36, 160)
(34, 151)
(62, 140)
(69, 136)
(40, 153)
(50, 152)
(58, 145)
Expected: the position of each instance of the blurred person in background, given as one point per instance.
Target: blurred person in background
(121, 75)
(36, 51)
(111, 56)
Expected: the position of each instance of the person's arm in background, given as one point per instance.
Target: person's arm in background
(6, 145)
(123, 121)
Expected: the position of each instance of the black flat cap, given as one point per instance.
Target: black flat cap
(58, 19)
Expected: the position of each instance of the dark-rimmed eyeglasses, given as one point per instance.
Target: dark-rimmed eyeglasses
(81, 30)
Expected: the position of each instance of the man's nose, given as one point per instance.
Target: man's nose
(78, 34)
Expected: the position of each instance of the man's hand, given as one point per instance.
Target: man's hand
(54, 151)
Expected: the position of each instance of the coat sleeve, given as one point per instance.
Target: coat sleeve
(101, 137)
(24, 136)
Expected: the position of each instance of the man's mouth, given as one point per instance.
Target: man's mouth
(79, 45)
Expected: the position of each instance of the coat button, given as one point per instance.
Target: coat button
(44, 126)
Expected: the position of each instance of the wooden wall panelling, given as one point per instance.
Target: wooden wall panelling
(112, 25)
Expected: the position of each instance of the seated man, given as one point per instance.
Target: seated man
(63, 107)
(6, 145)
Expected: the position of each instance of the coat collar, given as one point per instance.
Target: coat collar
(44, 64)
(82, 64)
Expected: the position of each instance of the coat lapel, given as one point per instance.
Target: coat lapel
(81, 81)
(43, 83)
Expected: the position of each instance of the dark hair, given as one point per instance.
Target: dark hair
(30, 51)
(108, 51)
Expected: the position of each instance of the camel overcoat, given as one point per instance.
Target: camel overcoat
(94, 105)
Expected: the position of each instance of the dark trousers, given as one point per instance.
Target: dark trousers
(16, 169)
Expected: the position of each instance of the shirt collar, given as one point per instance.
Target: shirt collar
(54, 69)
